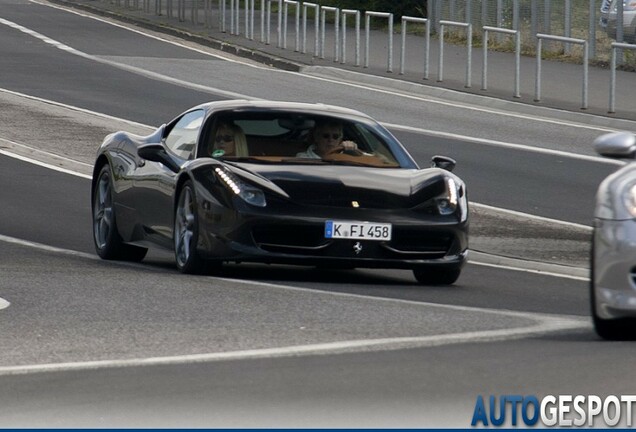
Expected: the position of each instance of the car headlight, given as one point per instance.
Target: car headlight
(248, 193)
(445, 203)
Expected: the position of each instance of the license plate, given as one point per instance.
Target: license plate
(357, 230)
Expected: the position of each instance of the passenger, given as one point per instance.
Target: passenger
(229, 140)
(326, 139)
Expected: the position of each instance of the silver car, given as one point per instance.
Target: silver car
(613, 260)
(629, 20)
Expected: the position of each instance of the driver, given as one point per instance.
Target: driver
(326, 139)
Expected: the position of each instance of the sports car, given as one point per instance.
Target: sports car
(244, 181)
(613, 258)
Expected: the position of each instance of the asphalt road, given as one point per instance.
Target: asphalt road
(101, 344)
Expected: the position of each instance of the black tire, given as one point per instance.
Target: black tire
(186, 232)
(108, 243)
(436, 275)
(609, 329)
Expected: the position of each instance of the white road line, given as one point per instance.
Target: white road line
(314, 77)
(44, 164)
(543, 323)
(128, 68)
(503, 144)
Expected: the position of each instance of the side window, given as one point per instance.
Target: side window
(182, 139)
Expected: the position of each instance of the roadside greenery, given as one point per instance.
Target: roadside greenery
(400, 8)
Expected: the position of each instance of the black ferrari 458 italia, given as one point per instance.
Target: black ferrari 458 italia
(278, 182)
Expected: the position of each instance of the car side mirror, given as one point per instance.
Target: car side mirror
(443, 162)
(156, 153)
(617, 145)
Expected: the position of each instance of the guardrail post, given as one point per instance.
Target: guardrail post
(427, 41)
(297, 11)
(540, 37)
(367, 25)
(316, 27)
(356, 13)
(469, 37)
(517, 36)
(616, 46)
(336, 11)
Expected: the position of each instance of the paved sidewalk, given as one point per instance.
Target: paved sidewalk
(561, 83)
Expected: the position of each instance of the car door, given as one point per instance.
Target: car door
(155, 182)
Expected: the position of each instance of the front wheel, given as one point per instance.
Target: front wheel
(436, 275)
(186, 232)
(108, 242)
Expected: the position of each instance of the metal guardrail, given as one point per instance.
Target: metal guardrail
(427, 42)
(367, 25)
(517, 37)
(612, 94)
(167, 8)
(316, 27)
(336, 46)
(541, 37)
(356, 14)
(296, 5)
(469, 38)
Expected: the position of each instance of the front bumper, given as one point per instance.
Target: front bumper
(295, 235)
(614, 268)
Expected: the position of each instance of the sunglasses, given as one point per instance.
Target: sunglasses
(226, 138)
(332, 136)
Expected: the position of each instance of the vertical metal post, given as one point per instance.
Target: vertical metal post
(586, 63)
(567, 24)
(316, 27)
(367, 24)
(484, 13)
(469, 59)
(515, 14)
(280, 20)
(619, 30)
(612, 95)
(537, 83)
(440, 63)
(263, 4)
(547, 16)
(356, 13)
(517, 93)
(484, 69)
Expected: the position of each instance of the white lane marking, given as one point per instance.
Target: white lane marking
(122, 66)
(44, 164)
(503, 144)
(526, 270)
(544, 325)
(74, 108)
(532, 217)
(46, 248)
(333, 81)
(3, 303)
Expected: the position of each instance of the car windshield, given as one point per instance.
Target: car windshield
(295, 138)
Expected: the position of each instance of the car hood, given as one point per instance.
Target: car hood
(340, 186)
